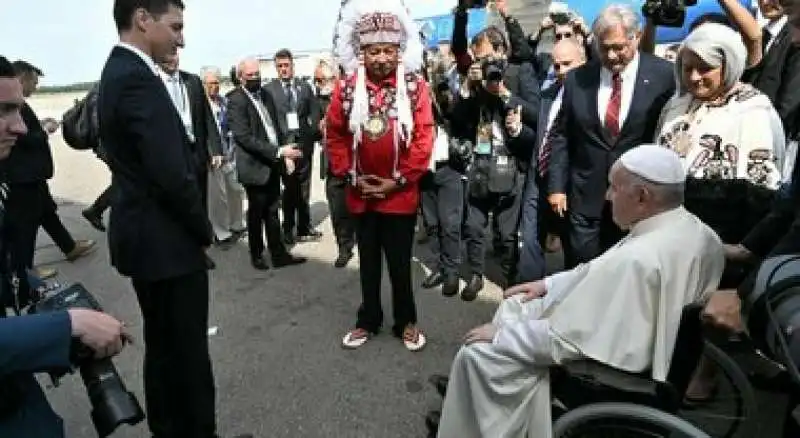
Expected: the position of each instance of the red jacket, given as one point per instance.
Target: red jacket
(377, 157)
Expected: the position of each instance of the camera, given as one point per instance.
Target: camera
(460, 154)
(493, 69)
(668, 13)
(112, 404)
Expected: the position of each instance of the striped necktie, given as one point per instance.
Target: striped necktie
(614, 106)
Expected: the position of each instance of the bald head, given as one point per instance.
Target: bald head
(567, 54)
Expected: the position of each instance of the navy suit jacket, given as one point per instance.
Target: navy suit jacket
(31, 344)
(582, 150)
(158, 225)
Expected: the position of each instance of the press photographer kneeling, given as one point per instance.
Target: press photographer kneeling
(498, 122)
(41, 342)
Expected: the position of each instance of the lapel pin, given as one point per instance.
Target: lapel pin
(647, 81)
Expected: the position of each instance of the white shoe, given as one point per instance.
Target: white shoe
(413, 338)
(355, 338)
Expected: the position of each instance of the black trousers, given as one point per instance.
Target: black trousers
(590, 237)
(30, 206)
(297, 201)
(262, 213)
(443, 207)
(342, 221)
(178, 379)
(506, 212)
(536, 221)
(392, 235)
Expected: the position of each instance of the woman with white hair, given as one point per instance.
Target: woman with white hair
(732, 144)
(727, 132)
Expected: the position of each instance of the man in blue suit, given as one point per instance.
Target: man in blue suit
(537, 219)
(35, 343)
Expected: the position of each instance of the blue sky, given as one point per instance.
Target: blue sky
(70, 40)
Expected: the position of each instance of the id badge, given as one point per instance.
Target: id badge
(483, 143)
(502, 160)
(292, 122)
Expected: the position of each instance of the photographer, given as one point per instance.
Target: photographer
(490, 44)
(499, 124)
(35, 343)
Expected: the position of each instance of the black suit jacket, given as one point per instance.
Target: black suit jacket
(583, 151)
(778, 76)
(257, 161)
(309, 114)
(207, 140)
(31, 160)
(158, 226)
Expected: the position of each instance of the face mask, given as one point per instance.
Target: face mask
(252, 85)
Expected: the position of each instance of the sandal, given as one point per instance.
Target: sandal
(413, 338)
(355, 338)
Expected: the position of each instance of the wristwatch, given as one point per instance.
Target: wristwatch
(400, 180)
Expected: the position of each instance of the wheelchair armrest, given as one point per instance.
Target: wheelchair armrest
(595, 372)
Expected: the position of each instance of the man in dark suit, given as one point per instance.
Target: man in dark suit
(159, 228)
(537, 217)
(188, 95)
(28, 168)
(608, 107)
(261, 154)
(34, 343)
(778, 73)
(299, 114)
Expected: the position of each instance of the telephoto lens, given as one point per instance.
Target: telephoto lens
(112, 404)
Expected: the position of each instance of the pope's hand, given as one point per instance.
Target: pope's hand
(531, 291)
(484, 333)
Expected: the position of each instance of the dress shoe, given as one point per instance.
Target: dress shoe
(450, 286)
(94, 219)
(474, 286)
(260, 264)
(432, 421)
(43, 273)
(439, 381)
(287, 260)
(311, 236)
(343, 259)
(82, 248)
(434, 280)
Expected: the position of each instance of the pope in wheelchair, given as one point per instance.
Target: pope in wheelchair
(622, 309)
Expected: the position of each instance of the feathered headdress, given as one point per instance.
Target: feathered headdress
(365, 22)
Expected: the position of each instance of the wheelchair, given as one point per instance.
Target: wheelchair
(641, 407)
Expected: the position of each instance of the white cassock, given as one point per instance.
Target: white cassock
(622, 309)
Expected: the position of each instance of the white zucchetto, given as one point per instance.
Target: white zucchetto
(654, 163)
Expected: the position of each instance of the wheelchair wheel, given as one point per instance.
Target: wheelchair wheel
(732, 411)
(623, 420)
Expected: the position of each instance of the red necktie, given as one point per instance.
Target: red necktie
(614, 105)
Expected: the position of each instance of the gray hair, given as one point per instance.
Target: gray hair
(718, 46)
(205, 71)
(616, 15)
(665, 195)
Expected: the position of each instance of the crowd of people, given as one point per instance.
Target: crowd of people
(661, 178)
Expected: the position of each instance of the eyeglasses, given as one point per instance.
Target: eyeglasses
(564, 35)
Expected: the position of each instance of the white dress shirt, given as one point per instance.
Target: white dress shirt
(176, 88)
(628, 84)
(774, 28)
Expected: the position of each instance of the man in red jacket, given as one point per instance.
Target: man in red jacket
(379, 137)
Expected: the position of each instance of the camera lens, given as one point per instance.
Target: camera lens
(112, 404)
